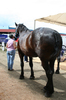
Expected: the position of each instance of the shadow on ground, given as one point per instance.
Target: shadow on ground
(58, 79)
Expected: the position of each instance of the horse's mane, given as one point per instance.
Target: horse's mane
(23, 27)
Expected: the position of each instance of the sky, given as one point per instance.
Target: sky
(26, 11)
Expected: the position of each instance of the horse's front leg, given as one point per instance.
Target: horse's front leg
(49, 89)
(31, 66)
(22, 68)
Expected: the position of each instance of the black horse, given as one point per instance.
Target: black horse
(44, 43)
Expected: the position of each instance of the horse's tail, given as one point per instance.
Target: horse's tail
(57, 45)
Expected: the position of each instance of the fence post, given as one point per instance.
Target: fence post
(3, 46)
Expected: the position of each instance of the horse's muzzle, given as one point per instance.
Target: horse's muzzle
(15, 38)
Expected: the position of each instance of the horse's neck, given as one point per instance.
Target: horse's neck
(25, 33)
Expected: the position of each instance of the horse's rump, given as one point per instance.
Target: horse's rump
(47, 43)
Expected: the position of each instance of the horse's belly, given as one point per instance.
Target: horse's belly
(29, 53)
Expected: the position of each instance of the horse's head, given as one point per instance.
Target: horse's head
(19, 29)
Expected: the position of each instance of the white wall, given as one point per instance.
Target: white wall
(64, 40)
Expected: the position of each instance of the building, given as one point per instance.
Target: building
(4, 34)
(7, 31)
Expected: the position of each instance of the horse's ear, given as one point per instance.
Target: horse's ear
(16, 24)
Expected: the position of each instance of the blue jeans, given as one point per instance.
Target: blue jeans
(25, 58)
(10, 58)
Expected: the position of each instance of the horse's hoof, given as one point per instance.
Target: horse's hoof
(47, 94)
(57, 72)
(44, 89)
(32, 77)
(21, 77)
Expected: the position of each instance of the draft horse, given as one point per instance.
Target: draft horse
(44, 43)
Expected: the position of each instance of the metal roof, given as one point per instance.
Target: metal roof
(7, 30)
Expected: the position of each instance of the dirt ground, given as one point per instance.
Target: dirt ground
(12, 88)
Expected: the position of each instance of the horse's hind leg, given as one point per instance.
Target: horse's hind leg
(31, 66)
(49, 68)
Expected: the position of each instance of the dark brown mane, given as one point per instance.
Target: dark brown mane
(23, 27)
